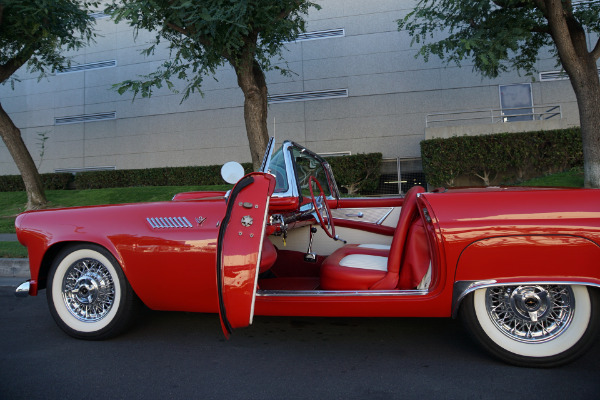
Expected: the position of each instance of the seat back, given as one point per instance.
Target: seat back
(409, 209)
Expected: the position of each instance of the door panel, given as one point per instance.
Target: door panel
(240, 242)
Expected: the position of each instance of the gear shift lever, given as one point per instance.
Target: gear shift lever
(310, 256)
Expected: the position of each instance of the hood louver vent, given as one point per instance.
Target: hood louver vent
(307, 96)
(88, 66)
(169, 222)
(75, 119)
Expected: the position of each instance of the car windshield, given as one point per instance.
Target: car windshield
(308, 165)
(277, 168)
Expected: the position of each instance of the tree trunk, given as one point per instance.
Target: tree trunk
(587, 91)
(251, 80)
(11, 135)
(571, 43)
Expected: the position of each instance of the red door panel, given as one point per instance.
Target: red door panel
(240, 242)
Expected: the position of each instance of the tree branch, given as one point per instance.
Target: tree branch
(15, 63)
(179, 29)
(284, 13)
(542, 6)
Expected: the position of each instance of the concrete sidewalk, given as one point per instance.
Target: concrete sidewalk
(14, 268)
(8, 237)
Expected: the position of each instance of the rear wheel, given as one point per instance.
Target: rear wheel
(533, 325)
(88, 294)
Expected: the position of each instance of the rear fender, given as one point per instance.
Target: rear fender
(526, 259)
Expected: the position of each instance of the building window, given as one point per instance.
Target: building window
(516, 102)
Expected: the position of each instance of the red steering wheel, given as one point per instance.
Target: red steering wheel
(328, 227)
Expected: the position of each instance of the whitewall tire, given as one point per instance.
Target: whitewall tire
(533, 325)
(88, 294)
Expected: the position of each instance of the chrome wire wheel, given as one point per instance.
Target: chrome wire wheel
(531, 314)
(88, 290)
(88, 294)
(533, 325)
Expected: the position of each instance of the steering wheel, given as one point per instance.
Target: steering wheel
(320, 202)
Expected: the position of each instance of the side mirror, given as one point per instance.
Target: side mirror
(232, 172)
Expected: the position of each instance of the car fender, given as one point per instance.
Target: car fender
(526, 259)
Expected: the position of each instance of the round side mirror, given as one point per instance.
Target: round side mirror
(232, 172)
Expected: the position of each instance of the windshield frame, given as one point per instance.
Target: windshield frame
(290, 168)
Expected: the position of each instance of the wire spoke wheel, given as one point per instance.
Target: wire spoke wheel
(88, 290)
(531, 314)
(88, 295)
(533, 325)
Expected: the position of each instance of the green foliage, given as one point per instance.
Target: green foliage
(501, 157)
(570, 178)
(12, 250)
(203, 35)
(357, 173)
(14, 183)
(494, 35)
(38, 31)
(168, 176)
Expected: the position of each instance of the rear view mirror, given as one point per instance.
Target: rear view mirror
(232, 172)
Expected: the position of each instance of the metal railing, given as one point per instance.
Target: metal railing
(496, 115)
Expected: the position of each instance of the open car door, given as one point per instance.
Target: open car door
(239, 246)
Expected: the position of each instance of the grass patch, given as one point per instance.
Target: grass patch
(571, 178)
(13, 203)
(12, 250)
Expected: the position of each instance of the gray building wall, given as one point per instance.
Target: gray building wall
(389, 95)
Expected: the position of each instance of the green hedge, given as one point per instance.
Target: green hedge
(14, 183)
(355, 173)
(167, 176)
(500, 158)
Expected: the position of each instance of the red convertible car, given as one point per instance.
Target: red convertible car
(520, 266)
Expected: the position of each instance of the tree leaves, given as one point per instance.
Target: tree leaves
(493, 35)
(38, 31)
(202, 35)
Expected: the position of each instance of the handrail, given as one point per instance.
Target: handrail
(497, 115)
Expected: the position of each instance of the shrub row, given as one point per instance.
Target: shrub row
(501, 158)
(355, 173)
(14, 183)
(167, 176)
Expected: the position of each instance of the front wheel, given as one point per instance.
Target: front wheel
(88, 294)
(533, 325)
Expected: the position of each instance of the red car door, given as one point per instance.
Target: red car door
(241, 235)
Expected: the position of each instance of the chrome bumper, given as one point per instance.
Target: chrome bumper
(23, 289)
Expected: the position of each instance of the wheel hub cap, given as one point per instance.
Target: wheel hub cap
(533, 313)
(88, 290)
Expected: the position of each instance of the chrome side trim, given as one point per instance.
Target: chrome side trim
(463, 288)
(340, 293)
(23, 289)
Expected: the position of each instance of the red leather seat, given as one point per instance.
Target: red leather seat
(367, 267)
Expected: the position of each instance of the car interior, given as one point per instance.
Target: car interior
(316, 243)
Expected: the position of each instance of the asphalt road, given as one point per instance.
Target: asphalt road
(184, 355)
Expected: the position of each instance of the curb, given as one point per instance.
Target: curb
(14, 267)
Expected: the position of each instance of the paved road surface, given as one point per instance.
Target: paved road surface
(184, 355)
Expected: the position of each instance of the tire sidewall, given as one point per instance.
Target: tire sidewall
(59, 310)
(570, 344)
